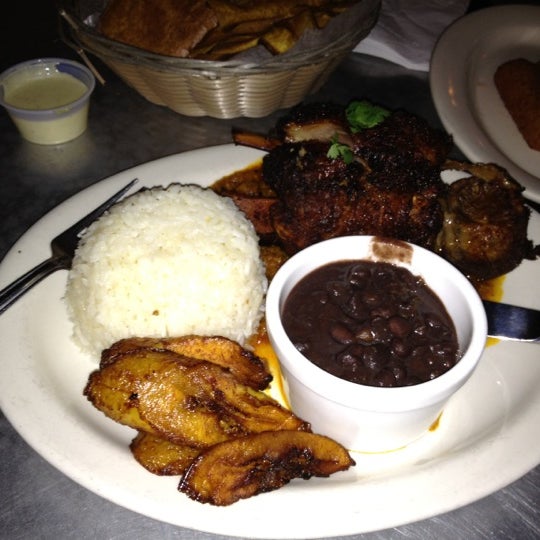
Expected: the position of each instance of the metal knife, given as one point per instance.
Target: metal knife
(506, 321)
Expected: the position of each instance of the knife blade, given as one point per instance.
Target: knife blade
(506, 321)
(533, 204)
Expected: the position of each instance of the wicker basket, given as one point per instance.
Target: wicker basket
(227, 89)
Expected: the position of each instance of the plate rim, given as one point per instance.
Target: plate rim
(450, 89)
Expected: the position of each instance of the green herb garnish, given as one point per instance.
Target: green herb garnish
(360, 115)
(363, 114)
(340, 150)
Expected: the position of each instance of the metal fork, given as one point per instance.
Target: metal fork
(62, 248)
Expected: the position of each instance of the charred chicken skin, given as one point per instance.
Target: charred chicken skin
(320, 198)
(390, 187)
(402, 141)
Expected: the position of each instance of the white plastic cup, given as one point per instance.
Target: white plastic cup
(47, 99)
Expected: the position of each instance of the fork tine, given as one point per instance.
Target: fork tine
(84, 222)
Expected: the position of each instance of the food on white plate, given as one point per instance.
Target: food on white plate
(360, 169)
(193, 414)
(166, 262)
(518, 84)
(485, 221)
(168, 287)
(258, 463)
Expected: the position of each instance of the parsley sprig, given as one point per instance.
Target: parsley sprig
(340, 150)
(360, 115)
(363, 114)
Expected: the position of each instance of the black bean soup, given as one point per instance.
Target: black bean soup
(372, 323)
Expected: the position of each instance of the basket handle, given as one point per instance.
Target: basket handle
(71, 42)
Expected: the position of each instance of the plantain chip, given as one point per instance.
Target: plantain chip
(246, 466)
(253, 26)
(214, 29)
(279, 39)
(301, 22)
(230, 13)
(275, 24)
(225, 48)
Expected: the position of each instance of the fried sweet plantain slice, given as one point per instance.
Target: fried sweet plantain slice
(160, 456)
(184, 400)
(246, 466)
(248, 368)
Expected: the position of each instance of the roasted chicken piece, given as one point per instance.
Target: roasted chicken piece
(401, 141)
(253, 196)
(485, 222)
(246, 466)
(320, 198)
(184, 400)
(162, 457)
(390, 186)
(258, 210)
(361, 169)
(248, 368)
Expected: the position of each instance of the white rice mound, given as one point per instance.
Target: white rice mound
(166, 262)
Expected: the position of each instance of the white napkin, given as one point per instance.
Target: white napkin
(407, 30)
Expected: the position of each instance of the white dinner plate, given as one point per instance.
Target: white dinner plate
(463, 63)
(488, 435)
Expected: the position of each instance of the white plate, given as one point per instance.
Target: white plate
(462, 67)
(488, 435)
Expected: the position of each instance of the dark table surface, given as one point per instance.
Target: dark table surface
(36, 500)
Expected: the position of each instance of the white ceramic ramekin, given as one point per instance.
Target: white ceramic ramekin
(367, 418)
